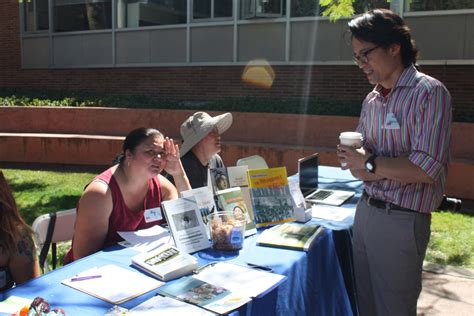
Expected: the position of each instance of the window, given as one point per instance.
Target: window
(301, 8)
(136, 13)
(81, 15)
(36, 15)
(212, 9)
(438, 5)
(262, 8)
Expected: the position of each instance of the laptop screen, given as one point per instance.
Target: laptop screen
(308, 173)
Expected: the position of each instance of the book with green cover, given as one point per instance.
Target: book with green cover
(232, 200)
(297, 236)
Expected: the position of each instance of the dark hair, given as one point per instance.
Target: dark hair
(135, 138)
(384, 28)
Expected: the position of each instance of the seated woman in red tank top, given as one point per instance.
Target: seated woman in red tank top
(128, 196)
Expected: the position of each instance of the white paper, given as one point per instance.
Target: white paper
(144, 240)
(332, 213)
(166, 306)
(239, 279)
(296, 194)
(14, 304)
(238, 176)
(116, 285)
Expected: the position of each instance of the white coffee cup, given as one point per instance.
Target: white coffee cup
(353, 139)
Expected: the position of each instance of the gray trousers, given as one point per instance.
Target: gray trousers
(389, 247)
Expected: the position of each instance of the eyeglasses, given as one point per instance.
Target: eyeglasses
(363, 58)
(156, 154)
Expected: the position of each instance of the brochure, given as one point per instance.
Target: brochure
(205, 202)
(166, 306)
(166, 262)
(186, 224)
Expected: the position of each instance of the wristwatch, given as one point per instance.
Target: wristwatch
(370, 163)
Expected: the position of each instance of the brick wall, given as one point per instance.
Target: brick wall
(205, 83)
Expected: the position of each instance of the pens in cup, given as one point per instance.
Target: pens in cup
(86, 277)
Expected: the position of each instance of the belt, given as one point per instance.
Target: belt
(384, 205)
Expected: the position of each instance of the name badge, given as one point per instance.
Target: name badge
(153, 214)
(391, 122)
(3, 279)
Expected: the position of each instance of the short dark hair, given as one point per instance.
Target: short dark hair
(384, 28)
(135, 138)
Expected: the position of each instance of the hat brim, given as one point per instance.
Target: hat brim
(222, 122)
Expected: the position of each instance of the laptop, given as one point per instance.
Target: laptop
(308, 176)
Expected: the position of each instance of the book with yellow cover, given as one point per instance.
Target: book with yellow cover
(271, 198)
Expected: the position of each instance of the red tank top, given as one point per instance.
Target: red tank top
(122, 218)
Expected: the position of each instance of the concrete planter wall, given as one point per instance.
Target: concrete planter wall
(93, 136)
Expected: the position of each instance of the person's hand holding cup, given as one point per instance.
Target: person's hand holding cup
(352, 139)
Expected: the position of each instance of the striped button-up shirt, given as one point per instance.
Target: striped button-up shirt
(414, 120)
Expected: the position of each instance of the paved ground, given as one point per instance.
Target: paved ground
(446, 291)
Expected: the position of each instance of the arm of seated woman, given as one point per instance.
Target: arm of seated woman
(92, 221)
(23, 264)
(168, 190)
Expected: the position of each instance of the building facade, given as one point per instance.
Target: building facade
(197, 50)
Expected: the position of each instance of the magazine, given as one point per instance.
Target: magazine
(186, 224)
(166, 262)
(298, 236)
(232, 200)
(271, 197)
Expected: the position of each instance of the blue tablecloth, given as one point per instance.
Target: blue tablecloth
(314, 285)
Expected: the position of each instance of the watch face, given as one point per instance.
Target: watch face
(369, 166)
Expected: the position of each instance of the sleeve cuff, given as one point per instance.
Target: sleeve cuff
(428, 164)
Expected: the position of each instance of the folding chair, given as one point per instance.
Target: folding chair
(253, 162)
(50, 229)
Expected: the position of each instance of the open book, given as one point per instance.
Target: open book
(166, 262)
(298, 236)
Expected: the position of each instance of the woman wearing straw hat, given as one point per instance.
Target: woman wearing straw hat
(201, 145)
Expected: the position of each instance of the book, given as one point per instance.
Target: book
(219, 178)
(232, 200)
(112, 283)
(271, 198)
(205, 202)
(238, 176)
(211, 297)
(297, 236)
(186, 224)
(166, 262)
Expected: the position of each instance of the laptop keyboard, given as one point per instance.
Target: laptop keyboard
(320, 195)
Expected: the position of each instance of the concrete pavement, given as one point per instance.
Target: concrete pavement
(446, 291)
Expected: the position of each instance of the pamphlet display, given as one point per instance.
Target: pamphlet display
(186, 224)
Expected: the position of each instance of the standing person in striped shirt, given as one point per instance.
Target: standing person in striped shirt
(406, 125)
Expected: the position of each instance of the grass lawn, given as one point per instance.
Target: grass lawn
(40, 192)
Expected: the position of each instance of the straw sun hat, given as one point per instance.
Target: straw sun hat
(198, 125)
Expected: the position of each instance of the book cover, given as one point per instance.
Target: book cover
(232, 200)
(186, 224)
(165, 262)
(219, 178)
(238, 176)
(298, 236)
(205, 202)
(203, 294)
(271, 197)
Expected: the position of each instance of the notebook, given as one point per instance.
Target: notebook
(308, 176)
